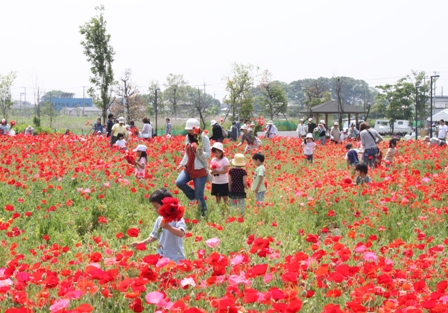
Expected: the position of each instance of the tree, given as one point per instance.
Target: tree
(49, 111)
(151, 98)
(175, 91)
(100, 54)
(240, 99)
(202, 103)
(316, 91)
(400, 98)
(6, 82)
(130, 103)
(273, 97)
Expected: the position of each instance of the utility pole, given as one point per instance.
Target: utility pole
(430, 129)
(157, 89)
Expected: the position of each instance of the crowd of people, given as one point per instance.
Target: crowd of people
(229, 178)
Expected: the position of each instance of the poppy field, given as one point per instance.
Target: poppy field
(71, 207)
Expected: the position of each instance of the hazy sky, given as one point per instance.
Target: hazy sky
(378, 41)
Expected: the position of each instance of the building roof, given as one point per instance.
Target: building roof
(332, 107)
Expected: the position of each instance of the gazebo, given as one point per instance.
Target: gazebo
(331, 107)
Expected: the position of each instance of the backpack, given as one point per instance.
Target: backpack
(225, 134)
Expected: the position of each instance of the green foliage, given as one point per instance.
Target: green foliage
(399, 100)
(36, 121)
(273, 98)
(43, 130)
(6, 82)
(176, 91)
(240, 99)
(100, 54)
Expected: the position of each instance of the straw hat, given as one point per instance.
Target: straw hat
(239, 160)
(270, 123)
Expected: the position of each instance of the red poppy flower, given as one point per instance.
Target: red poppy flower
(133, 232)
(85, 307)
(130, 158)
(171, 210)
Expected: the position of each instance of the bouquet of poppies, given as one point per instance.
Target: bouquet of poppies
(214, 165)
(197, 131)
(12, 123)
(130, 158)
(171, 210)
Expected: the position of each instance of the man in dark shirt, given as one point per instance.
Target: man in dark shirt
(110, 124)
(217, 131)
(311, 125)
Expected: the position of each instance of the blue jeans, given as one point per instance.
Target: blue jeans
(372, 152)
(239, 203)
(259, 196)
(196, 193)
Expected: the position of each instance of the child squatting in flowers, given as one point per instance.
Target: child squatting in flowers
(171, 223)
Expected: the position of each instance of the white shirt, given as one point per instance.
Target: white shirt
(147, 130)
(302, 129)
(308, 147)
(442, 131)
(221, 163)
(272, 129)
(121, 143)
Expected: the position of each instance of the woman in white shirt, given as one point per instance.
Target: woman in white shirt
(147, 129)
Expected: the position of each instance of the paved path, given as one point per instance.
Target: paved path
(282, 134)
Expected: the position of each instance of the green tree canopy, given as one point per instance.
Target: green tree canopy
(400, 99)
(175, 91)
(6, 82)
(239, 86)
(100, 55)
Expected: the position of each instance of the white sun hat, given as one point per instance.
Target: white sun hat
(191, 122)
(140, 148)
(218, 146)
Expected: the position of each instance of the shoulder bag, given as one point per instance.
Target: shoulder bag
(205, 165)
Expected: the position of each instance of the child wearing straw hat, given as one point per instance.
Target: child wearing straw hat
(238, 182)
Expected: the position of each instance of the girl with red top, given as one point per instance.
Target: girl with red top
(194, 164)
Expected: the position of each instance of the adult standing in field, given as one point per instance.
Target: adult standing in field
(252, 142)
(443, 129)
(4, 127)
(238, 127)
(119, 128)
(233, 133)
(98, 127)
(216, 131)
(147, 129)
(194, 164)
(353, 132)
(168, 127)
(301, 129)
(110, 124)
(322, 131)
(369, 140)
(271, 130)
(311, 126)
(335, 133)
